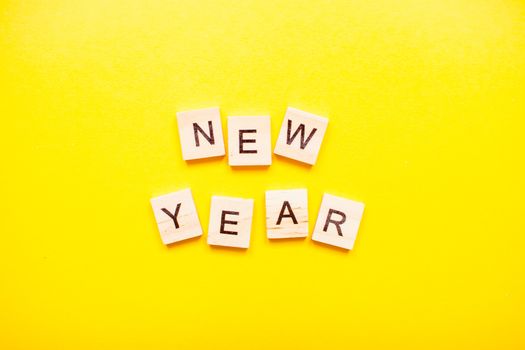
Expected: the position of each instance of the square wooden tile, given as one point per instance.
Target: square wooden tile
(176, 216)
(301, 136)
(287, 213)
(230, 222)
(249, 141)
(200, 133)
(338, 221)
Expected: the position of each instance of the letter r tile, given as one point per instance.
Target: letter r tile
(200, 133)
(176, 216)
(301, 136)
(230, 222)
(338, 221)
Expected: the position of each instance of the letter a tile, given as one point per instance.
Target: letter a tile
(287, 213)
(176, 216)
(338, 221)
(301, 136)
(200, 133)
(230, 222)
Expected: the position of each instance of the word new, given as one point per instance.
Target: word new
(249, 139)
(249, 142)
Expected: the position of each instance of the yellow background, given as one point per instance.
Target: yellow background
(426, 101)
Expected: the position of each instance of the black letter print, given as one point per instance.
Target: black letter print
(174, 215)
(300, 129)
(336, 223)
(286, 205)
(224, 222)
(242, 140)
(197, 128)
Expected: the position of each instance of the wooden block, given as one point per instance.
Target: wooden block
(287, 213)
(230, 222)
(176, 216)
(200, 133)
(301, 136)
(249, 141)
(338, 221)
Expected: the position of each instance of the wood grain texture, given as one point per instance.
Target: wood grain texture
(230, 222)
(200, 133)
(287, 213)
(301, 136)
(249, 141)
(187, 219)
(338, 221)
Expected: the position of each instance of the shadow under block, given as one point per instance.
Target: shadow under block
(176, 216)
(200, 133)
(301, 136)
(338, 221)
(249, 141)
(230, 222)
(287, 213)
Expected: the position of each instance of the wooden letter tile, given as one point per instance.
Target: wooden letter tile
(301, 136)
(200, 133)
(249, 141)
(176, 216)
(338, 221)
(230, 222)
(287, 213)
